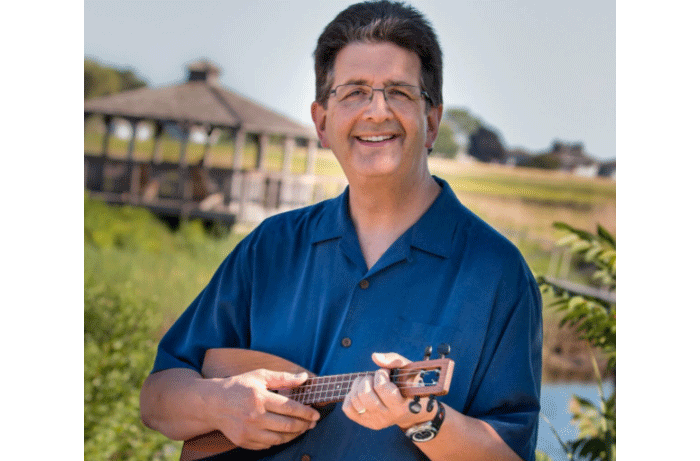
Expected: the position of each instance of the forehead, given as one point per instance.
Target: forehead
(374, 63)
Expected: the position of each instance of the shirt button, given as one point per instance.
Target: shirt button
(346, 342)
(364, 284)
(306, 458)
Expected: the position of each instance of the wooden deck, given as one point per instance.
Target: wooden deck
(212, 194)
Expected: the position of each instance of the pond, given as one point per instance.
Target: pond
(555, 407)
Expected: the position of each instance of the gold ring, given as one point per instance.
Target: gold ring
(359, 412)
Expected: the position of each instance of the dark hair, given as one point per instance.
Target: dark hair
(380, 21)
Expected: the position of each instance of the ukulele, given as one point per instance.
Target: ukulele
(416, 379)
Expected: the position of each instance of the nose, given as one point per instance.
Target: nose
(377, 108)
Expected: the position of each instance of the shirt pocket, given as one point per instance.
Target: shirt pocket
(411, 338)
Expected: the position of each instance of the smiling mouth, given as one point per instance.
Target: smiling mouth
(375, 138)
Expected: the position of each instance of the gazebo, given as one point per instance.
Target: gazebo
(203, 190)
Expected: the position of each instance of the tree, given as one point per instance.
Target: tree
(445, 145)
(486, 146)
(103, 80)
(464, 122)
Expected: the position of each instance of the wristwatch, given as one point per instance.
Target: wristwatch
(428, 430)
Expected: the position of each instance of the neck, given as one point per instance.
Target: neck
(377, 204)
(382, 211)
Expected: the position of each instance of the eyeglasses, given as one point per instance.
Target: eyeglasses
(399, 96)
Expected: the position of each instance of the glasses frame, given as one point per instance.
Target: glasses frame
(423, 93)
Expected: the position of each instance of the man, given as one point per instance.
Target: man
(365, 280)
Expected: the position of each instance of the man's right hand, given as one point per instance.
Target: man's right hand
(253, 417)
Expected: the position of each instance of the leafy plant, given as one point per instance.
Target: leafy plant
(594, 319)
(119, 351)
(132, 284)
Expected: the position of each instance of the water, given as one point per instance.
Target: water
(555, 406)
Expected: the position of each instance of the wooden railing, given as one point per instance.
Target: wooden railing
(213, 193)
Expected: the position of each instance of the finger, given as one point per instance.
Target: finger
(367, 397)
(287, 407)
(385, 390)
(275, 379)
(285, 425)
(389, 360)
(352, 406)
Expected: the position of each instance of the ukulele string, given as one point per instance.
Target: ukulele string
(352, 376)
(340, 379)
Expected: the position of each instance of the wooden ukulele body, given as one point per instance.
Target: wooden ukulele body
(316, 391)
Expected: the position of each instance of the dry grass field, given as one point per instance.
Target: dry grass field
(520, 202)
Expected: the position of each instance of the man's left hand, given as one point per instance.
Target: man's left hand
(376, 402)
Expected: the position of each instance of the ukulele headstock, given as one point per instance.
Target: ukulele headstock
(426, 377)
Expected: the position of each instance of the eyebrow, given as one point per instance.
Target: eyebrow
(360, 81)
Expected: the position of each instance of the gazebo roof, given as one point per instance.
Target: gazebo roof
(200, 100)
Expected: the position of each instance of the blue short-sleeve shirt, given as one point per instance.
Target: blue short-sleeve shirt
(298, 287)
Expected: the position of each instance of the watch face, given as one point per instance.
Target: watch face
(423, 435)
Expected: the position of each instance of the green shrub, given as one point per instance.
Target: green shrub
(595, 321)
(138, 275)
(119, 352)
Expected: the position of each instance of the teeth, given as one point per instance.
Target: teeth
(375, 138)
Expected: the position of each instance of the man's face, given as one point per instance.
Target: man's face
(379, 139)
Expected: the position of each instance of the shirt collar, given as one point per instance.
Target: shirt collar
(433, 232)
(335, 219)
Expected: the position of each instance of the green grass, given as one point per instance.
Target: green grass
(129, 245)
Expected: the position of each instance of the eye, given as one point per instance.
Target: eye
(402, 93)
(353, 92)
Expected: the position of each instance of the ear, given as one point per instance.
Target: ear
(318, 114)
(434, 117)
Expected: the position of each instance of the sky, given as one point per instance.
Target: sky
(536, 71)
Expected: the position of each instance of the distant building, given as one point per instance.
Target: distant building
(607, 169)
(569, 157)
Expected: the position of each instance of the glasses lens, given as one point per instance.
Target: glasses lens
(402, 93)
(355, 95)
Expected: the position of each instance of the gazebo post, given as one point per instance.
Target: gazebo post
(236, 166)
(263, 148)
(182, 179)
(206, 156)
(108, 134)
(311, 151)
(105, 145)
(157, 154)
(133, 172)
(287, 154)
(285, 183)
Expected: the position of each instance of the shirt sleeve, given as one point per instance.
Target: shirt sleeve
(218, 317)
(508, 393)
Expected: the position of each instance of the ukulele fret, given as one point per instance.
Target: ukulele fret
(326, 389)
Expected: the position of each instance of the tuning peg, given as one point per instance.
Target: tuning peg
(415, 406)
(443, 350)
(431, 403)
(428, 352)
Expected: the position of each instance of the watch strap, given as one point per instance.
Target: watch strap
(417, 433)
(439, 416)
